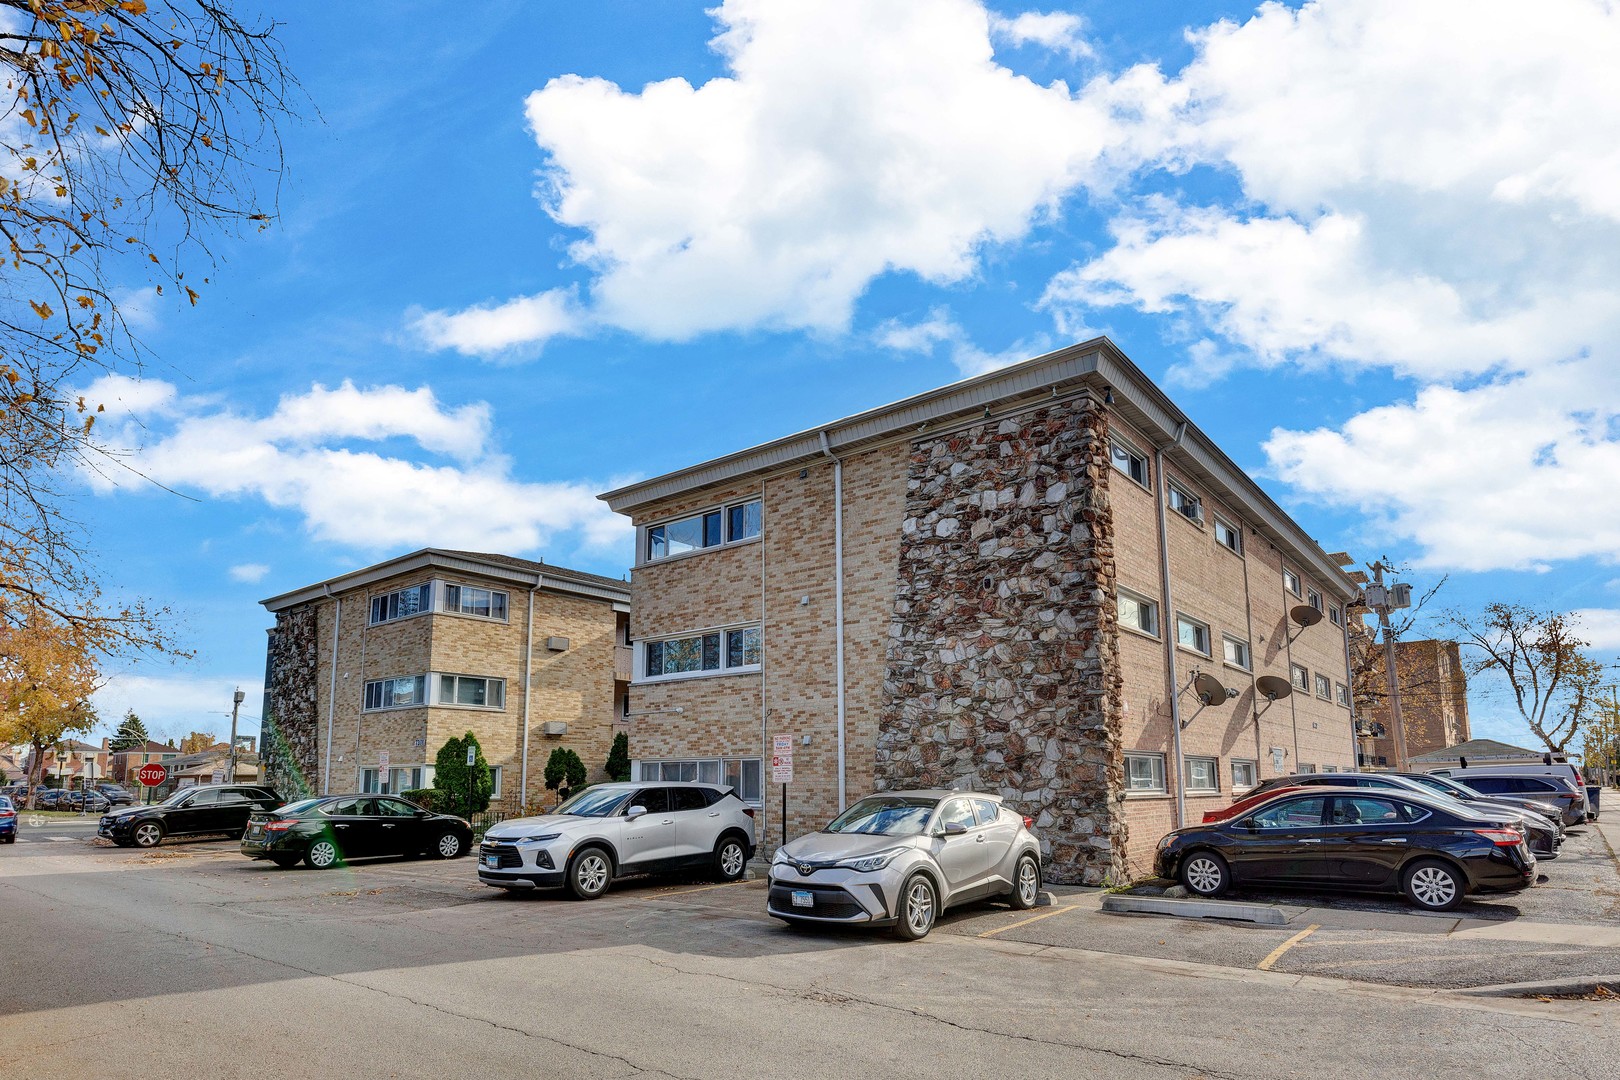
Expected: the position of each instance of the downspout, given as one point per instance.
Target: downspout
(1355, 747)
(331, 693)
(1168, 626)
(838, 601)
(764, 665)
(528, 688)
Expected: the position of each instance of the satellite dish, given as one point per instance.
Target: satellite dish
(1305, 615)
(1208, 688)
(1274, 687)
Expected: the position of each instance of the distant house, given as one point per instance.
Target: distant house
(124, 764)
(1480, 752)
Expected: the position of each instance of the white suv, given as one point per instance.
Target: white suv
(610, 830)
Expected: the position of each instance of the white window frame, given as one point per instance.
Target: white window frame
(442, 603)
(723, 537)
(1246, 655)
(425, 608)
(1121, 448)
(1214, 763)
(719, 768)
(1156, 769)
(1300, 676)
(1324, 687)
(1306, 769)
(1234, 531)
(490, 682)
(1292, 583)
(1335, 615)
(386, 691)
(1341, 694)
(1180, 500)
(495, 781)
(1149, 606)
(1253, 768)
(1314, 598)
(1198, 626)
(726, 668)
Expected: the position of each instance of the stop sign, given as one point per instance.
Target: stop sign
(152, 775)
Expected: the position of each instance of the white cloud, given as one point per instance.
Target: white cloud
(940, 329)
(249, 572)
(1058, 31)
(174, 705)
(1601, 627)
(520, 326)
(296, 459)
(847, 140)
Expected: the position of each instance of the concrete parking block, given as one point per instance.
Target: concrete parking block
(1259, 914)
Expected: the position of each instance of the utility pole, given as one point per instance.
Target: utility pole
(1384, 600)
(236, 705)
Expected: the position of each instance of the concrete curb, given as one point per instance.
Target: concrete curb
(1260, 914)
(1584, 984)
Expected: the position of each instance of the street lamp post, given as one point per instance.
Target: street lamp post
(236, 705)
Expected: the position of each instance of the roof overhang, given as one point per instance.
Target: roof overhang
(438, 559)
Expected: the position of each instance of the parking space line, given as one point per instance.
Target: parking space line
(1026, 922)
(686, 892)
(1276, 954)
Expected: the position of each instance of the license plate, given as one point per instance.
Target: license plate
(256, 831)
(803, 898)
(492, 861)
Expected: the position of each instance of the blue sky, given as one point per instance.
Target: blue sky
(525, 255)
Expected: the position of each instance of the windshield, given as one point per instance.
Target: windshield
(5, 803)
(1450, 787)
(293, 809)
(594, 802)
(177, 797)
(891, 815)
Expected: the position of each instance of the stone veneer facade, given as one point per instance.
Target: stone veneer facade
(1003, 674)
(288, 752)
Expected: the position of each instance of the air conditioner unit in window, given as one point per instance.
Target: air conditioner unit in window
(554, 727)
(1190, 511)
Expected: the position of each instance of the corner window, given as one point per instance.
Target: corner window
(743, 521)
(1184, 502)
(469, 600)
(472, 691)
(1144, 773)
(1292, 583)
(1138, 613)
(401, 604)
(1335, 614)
(728, 524)
(1341, 694)
(719, 651)
(1229, 536)
(1236, 652)
(1324, 687)
(1244, 774)
(1203, 774)
(1301, 677)
(1129, 460)
(1192, 634)
(402, 693)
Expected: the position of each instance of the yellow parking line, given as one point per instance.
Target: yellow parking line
(1026, 922)
(685, 892)
(1276, 954)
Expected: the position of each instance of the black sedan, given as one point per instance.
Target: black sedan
(329, 830)
(1344, 838)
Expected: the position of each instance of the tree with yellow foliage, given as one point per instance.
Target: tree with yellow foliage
(47, 674)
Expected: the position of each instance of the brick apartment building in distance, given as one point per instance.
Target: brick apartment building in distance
(1434, 701)
(397, 658)
(1043, 581)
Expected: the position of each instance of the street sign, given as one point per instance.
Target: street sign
(218, 777)
(782, 759)
(472, 756)
(152, 775)
(382, 763)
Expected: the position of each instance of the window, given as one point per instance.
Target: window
(472, 691)
(701, 653)
(1292, 814)
(1244, 774)
(989, 812)
(1291, 581)
(1203, 774)
(1341, 694)
(1237, 652)
(740, 521)
(1138, 613)
(1229, 536)
(1362, 810)
(408, 778)
(401, 693)
(1324, 687)
(495, 781)
(1335, 614)
(1302, 678)
(1144, 773)
(1305, 768)
(469, 600)
(1192, 634)
(1330, 768)
(1129, 460)
(1313, 598)
(959, 811)
(1185, 502)
(401, 604)
(743, 775)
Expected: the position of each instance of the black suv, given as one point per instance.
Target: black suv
(118, 796)
(191, 811)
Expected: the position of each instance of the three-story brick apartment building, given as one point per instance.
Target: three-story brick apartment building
(397, 658)
(1043, 581)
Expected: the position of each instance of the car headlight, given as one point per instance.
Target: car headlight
(781, 856)
(541, 839)
(865, 864)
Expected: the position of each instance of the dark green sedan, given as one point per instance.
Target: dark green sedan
(332, 829)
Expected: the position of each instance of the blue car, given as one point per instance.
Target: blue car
(8, 821)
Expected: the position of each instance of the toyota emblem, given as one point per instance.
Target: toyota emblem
(805, 869)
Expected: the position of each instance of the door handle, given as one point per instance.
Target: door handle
(1310, 841)
(341, 826)
(667, 821)
(979, 839)
(715, 814)
(388, 826)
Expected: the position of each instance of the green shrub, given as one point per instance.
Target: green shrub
(564, 771)
(461, 790)
(427, 798)
(618, 759)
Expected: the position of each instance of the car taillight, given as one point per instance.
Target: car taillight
(279, 825)
(749, 810)
(1211, 816)
(1029, 822)
(1501, 837)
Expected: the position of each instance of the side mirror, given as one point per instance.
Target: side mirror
(954, 828)
(635, 812)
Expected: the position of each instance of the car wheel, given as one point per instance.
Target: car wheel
(449, 846)
(322, 855)
(1026, 883)
(1205, 873)
(589, 873)
(919, 907)
(730, 859)
(147, 834)
(286, 862)
(1433, 886)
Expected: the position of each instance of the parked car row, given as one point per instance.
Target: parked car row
(99, 798)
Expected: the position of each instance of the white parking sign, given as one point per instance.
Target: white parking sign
(782, 759)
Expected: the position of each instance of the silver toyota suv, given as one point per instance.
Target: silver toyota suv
(611, 830)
